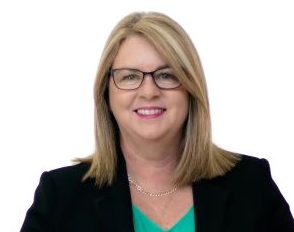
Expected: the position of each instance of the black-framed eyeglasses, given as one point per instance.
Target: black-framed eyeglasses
(130, 79)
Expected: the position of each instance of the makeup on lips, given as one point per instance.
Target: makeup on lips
(149, 112)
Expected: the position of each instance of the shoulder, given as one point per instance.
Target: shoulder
(249, 171)
(250, 166)
(250, 178)
(247, 160)
(73, 173)
(251, 181)
(249, 175)
(65, 181)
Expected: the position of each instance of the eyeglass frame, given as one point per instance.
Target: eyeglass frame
(111, 71)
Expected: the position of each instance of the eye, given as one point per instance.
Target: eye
(130, 77)
(126, 75)
(165, 76)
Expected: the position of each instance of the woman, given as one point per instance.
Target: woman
(155, 167)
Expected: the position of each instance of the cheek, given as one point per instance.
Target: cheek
(183, 104)
(184, 111)
(113, 98)
(114, 102)
(119, 101)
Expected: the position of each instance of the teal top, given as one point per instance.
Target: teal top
(143, 224)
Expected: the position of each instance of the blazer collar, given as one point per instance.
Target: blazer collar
(210, 200)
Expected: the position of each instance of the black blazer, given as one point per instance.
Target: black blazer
(246, 199)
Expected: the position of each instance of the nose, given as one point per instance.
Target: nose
(148, 88)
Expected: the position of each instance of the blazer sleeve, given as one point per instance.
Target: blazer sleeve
(281, 219)
(38, 215)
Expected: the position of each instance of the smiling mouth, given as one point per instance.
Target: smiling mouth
(150, 111)
(153, 112)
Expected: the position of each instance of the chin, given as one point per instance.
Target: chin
(151, 136)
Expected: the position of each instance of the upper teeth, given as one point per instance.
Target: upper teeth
(149, 111)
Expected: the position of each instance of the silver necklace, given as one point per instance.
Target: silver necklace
(140, 189)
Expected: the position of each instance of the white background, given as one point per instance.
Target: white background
(49, 51)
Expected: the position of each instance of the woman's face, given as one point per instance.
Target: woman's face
(148, 112)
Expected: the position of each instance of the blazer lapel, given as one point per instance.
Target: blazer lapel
(113, 204)
(210, 199)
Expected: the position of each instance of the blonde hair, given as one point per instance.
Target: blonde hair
(200, 158)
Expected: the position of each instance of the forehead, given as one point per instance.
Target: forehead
(138, 53)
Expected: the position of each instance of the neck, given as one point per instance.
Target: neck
(151, 163)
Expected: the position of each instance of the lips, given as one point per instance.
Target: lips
(150, 111)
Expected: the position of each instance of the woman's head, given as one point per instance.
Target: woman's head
(171, 42)
(173, 49)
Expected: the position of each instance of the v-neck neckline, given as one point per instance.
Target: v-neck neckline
(137, 210)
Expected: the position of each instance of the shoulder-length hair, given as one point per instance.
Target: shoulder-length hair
(200, 158)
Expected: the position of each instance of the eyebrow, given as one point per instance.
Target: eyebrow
(162, 66)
